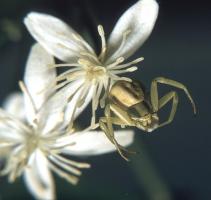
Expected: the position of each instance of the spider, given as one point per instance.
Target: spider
(130, 105)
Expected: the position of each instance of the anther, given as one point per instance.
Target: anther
(138, 60)
(103, 41)
(120, 60)
(100, 30)
(116, 63)
(132, 69)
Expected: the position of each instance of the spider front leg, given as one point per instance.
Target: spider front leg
(158, 104)
(105, 124)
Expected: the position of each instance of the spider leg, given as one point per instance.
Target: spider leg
(105, 124)
(154, 91)
(164, 100)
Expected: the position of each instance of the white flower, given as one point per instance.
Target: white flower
(33, 140)
(93, 72)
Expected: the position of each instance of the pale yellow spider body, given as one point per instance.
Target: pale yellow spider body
(130, 105)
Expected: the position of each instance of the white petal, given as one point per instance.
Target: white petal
(73, 102)
(39, 74)
(56, 36)
(9, 135)
(139, 20)
(14, 104)
(96, 142)
(11, 129)
(57, 106)
(38, 178)
(38, 77)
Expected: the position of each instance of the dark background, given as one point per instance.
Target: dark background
(173, 162)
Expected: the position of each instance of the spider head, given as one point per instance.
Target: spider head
(148, 122)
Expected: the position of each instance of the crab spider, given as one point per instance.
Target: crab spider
(130, 105)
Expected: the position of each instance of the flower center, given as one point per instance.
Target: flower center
(93, 72)
(32, 143)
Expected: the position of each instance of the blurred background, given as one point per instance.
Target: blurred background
(173, 162)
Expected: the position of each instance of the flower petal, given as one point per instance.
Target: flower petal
(136, 24)
(58, 105)
(11, 128)
(56, 36)
(38, 77)
(14, 104)
(9, 135)
(38, 178)
(96, 142)
(73, 103)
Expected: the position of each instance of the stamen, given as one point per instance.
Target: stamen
(64, 65)
(16, 122)
(70, 178)
(83, 95)
(124, 38)
(98, 92)
(28, 95)
(106, 88)
(116, 63)
(95, 102)
(127, 64)
(65, 74)
(117, 78)
(76, 90)
(68, 168)
(60, 85)
(75, 107)
(84, 63)
(73, 163)
(131, 69)
(75, 75)
(103, 42)
(93, 106)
